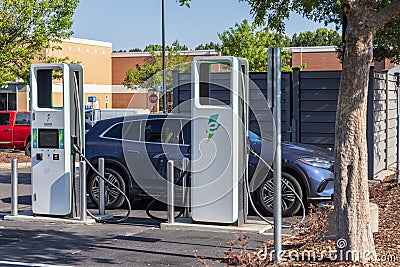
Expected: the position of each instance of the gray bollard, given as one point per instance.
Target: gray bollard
(101, 188)
(274, 72)
(14, 187)
(185, 200)
(82, 177)
(170, 191)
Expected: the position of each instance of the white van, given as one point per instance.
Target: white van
(101, 114)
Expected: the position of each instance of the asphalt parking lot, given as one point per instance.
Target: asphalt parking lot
(139, 241)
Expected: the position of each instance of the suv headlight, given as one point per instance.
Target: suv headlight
(317, 162)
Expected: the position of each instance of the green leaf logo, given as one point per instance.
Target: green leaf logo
(213, 126)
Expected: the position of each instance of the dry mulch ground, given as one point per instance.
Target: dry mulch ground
(387, 241)
(6, 157)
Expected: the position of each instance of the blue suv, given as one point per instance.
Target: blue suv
(137, 148)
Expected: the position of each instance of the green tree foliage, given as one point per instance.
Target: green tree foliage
(175, 46)
(152, 48)
(320, 37)
(27, 27)
(386, 43)
(135, 50)
(149, 74)
(251, 42)
(209, 46)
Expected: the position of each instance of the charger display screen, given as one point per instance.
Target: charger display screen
(48, 138)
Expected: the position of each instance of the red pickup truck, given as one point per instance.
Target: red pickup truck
(15, 130)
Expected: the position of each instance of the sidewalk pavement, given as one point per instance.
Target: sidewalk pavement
(21, 165)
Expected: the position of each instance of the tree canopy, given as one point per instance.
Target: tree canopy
(175, 46)
(251, 42)
(149, 73)
(319, 37)
(386, 44)
(209, 46)
(135, 50)
(27, 27)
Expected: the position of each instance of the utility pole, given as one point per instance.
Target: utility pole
(164, 88)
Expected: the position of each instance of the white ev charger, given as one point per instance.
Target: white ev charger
(219, 140)
(57, 126)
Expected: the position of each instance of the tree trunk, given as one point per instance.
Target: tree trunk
(351, 199)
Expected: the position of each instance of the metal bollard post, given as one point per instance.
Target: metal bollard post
(101, 188)
(14, 187)
(274, 54)
(82, 177)
(170, 191)
(185, 198)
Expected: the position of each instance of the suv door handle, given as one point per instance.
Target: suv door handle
(132, 151)
(7, 129)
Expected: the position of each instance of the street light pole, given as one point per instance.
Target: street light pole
(165, 99)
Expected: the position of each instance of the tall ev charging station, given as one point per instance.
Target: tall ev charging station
(219, 140)
(57, 115)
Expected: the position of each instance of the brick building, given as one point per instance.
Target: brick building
(315, 58)
(104, 71)
(320, 58)
(121, 62)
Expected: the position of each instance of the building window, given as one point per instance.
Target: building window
(8, 101)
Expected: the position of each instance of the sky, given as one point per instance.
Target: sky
(136, 23)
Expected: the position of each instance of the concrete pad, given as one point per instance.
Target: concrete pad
(374, 217)
(28, 216)
(384, 173)
(251, 226)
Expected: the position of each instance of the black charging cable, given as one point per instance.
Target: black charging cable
(184, 174)
(251, 200)
(111, 221)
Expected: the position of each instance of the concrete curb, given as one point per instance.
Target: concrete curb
(27, 216)
(251, 226)
(21, 165)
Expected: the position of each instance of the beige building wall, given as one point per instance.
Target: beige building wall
(23, 101)
(95, 57)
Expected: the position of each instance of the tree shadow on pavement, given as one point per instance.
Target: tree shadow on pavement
(50, 247)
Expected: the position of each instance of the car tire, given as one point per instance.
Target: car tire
(113, 199)
(290, 203)
(28, 149)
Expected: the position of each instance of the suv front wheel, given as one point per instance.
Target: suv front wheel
(290, 202)
(112, 198)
